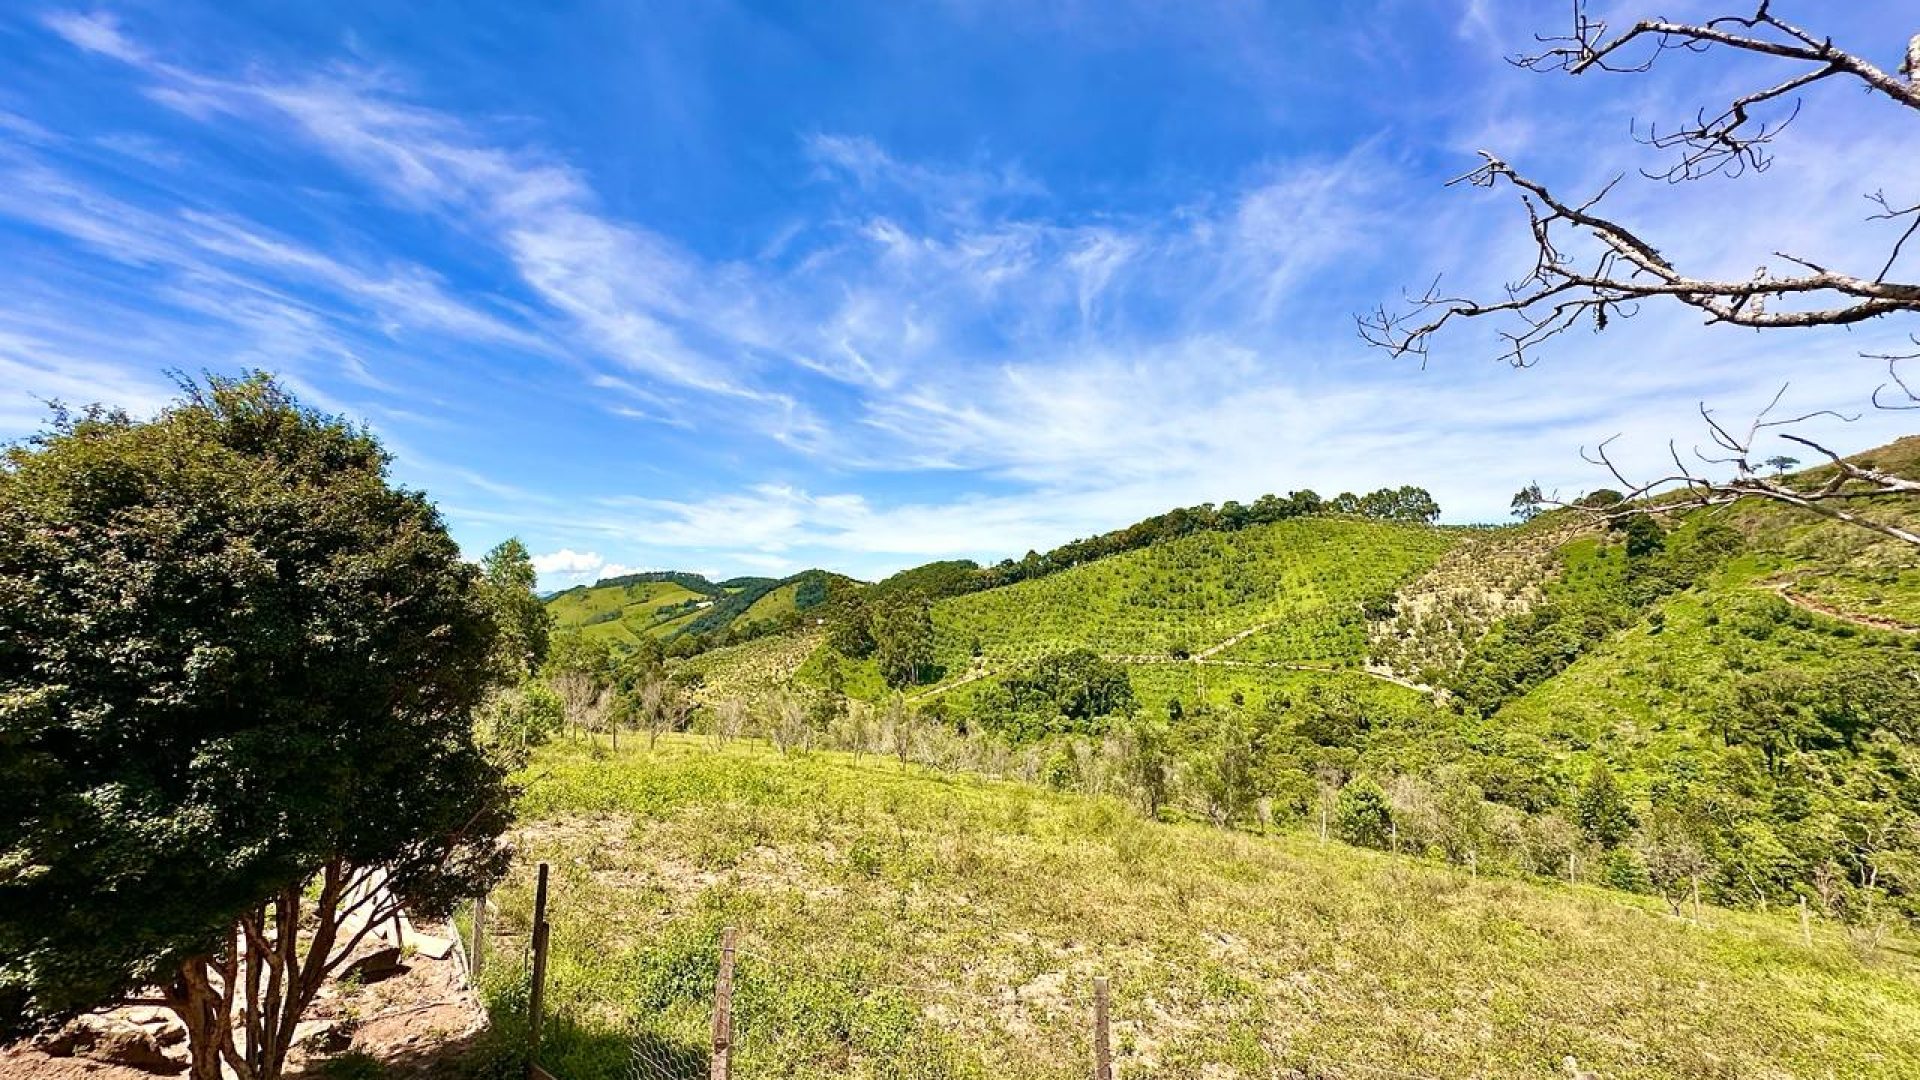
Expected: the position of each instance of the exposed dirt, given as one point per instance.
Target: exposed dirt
(412, 1022)
(1821, 607)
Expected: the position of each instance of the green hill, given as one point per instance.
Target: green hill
(906, 922)
(1695, 708)
(666, 605)
(624, 610)
(1718, 701)
(1300, 586)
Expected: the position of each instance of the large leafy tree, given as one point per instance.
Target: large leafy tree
(237, 676)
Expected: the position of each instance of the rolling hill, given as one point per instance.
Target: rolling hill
(1717, 701)
(1562, 718)
(625, 609)
(665, 605)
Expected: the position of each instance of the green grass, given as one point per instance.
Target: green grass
(901, 923)
(773, 605)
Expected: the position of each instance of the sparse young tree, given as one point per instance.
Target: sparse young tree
(1222, 767)
(787, 722)
(525, 625)
(853, 728)
(581, 670)
(1528, 502)
(1327, 782)
(658, 706)
(1670, 847)
(238, 675)
(1147, 763)
(896, 720)
(729, 720)
(1591, 268)
(1602, 807)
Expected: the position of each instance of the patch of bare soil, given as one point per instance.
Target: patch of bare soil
(1821, 607)
(413, 1018)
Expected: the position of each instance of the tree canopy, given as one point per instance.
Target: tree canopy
(232, 657)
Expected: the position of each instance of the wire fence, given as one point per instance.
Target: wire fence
(777, 1016)
(752, 1011)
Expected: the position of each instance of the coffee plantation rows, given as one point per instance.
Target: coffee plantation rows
(1484, 579)
(1306, 581)
(748, 669)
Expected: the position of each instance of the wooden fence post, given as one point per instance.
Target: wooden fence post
(722, 1064)
(477, 948)
(1102, 1049)
(536, 1000)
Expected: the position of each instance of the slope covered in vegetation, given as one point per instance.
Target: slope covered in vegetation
(624, 610)
(899, 922)
(1714, 703)
(1300, 585)
(670, 605)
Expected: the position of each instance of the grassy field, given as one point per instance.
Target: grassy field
(775, 604)
(900, 923)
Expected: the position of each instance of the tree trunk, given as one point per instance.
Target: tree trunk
(245, 1018)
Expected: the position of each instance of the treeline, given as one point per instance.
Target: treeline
(694, 583)
(1406, 503)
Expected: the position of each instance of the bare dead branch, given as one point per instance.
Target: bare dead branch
(1591, 268)
(1845, 483)
(1623, 269)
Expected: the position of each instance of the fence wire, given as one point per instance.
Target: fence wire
(799, 1017)
(651, 1057)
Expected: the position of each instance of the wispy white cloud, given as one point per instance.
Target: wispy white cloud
(1072, 367)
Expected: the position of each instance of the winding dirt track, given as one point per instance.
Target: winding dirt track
(1821, 607)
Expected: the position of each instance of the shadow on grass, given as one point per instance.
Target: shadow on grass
(569, 1051)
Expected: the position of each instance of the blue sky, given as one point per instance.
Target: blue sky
(745, 288)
